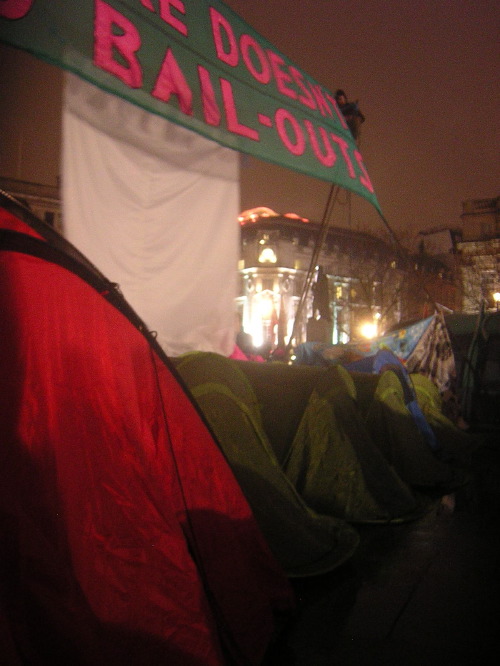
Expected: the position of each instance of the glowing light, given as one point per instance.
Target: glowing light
(267, 256)
(294, 216)
(368, 330)
(266, 308)
(257, 334)
(253, 214)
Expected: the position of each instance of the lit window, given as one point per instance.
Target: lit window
(267, 255)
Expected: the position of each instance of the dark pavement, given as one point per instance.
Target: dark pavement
(424, 593)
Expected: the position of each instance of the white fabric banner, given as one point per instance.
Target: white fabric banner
(154, 207)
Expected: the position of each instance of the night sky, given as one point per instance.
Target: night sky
(425, 73)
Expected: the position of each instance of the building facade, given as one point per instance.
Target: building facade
(42, 200)
(436, 268)
(479, 254)
(357, 281)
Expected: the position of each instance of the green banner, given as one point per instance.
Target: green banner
(196, 63)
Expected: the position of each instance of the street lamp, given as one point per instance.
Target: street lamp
(368, 330)
(496, 298)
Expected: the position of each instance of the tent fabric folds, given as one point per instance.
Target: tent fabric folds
(334, 464)
(360, 402)
(304, 542)
(329, 442)
(125, 537)
(395, 432)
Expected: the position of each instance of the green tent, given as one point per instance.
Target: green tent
(394, 431)
(303, 541)
(334, 463)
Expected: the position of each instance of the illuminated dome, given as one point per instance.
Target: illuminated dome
(253, 214)
(294, 216)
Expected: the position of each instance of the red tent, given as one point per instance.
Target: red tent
(124, 535)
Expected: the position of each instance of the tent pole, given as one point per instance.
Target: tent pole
(332, 197)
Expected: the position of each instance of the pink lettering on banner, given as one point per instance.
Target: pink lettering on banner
(281, 76)
(296, 145)
(233, 125)
(365, 178)
(306, 98)
(323, 105)
(127, 44)
(230, 56)
(211, 111)
(339, 113)
(171, 81)
(264, 74)
(343, 145)
(166, 14)
(264, 120)
(328, 157)
(15, 9)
